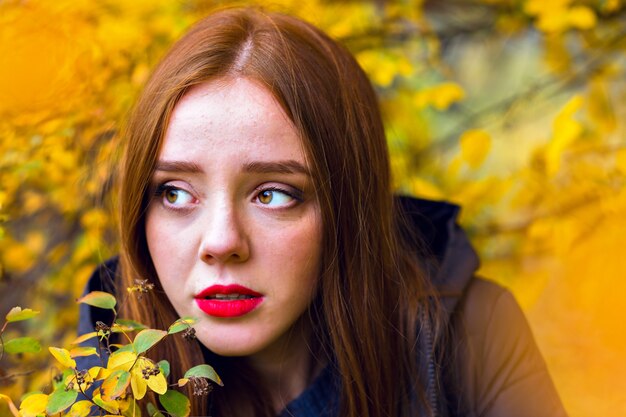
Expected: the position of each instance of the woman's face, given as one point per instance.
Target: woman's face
(233, 226)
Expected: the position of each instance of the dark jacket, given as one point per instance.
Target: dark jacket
(497, 370)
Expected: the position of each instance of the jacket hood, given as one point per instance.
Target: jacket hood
(450, 260)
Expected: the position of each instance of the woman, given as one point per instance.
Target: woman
(255, 195)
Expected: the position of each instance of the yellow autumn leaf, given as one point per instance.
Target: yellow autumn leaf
(110, 406)
(121, 360)
(138, 384)
(158, 383)
(63, 356)
(475, 146)
(83, 351)
(80, 339)
(98, 372)
(34, 405)
(19, 314)
(80, 409)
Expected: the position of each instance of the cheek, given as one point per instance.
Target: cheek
(165, 246)
(155, 237)
(302, 255)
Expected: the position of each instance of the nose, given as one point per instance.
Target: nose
(224, 238)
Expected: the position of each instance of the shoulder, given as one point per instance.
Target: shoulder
(501, 370)
(485, 304)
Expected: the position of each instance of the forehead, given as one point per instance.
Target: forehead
(230, 114)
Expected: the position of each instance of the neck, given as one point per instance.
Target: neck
(288, 366)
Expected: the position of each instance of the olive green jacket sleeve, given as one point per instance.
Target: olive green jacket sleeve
(501, 371)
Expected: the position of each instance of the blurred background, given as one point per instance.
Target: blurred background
(514, 109)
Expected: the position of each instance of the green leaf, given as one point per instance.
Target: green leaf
(164, 366)
(175, 403)
(60, 399)
(59, 383)
(17, 314)
(130, 324)
(22, 345)
(153, 411)
(115, 385)
(181, 324)
(147, 338)
(126, 348)
(98, 299)
(204, 371)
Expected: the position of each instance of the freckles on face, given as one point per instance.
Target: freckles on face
(234, 226)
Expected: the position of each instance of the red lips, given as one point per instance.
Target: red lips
(228, 300)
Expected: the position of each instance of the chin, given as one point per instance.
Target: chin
(237, 345)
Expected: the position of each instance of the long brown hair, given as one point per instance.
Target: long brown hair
(370, 289)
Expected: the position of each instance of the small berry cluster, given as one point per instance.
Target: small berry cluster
(102, 327)
(189, 334)
(201, 386)
(148, 372)
(141, 287)
(81, 381)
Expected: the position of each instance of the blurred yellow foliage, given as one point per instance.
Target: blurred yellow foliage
(475, 145)
(566, 129)
(440, 96)
(560, 15)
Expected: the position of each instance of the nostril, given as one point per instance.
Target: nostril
(233, 251)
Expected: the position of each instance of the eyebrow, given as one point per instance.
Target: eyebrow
(281, 167)
(178, 166)
(260, 167)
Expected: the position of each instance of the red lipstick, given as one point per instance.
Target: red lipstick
(228, 300)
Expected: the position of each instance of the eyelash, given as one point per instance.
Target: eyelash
(294, 193)
(160, 191)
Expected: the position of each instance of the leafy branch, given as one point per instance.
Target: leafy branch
(115, 387)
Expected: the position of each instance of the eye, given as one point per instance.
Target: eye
(174, 197)
(276, 198)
